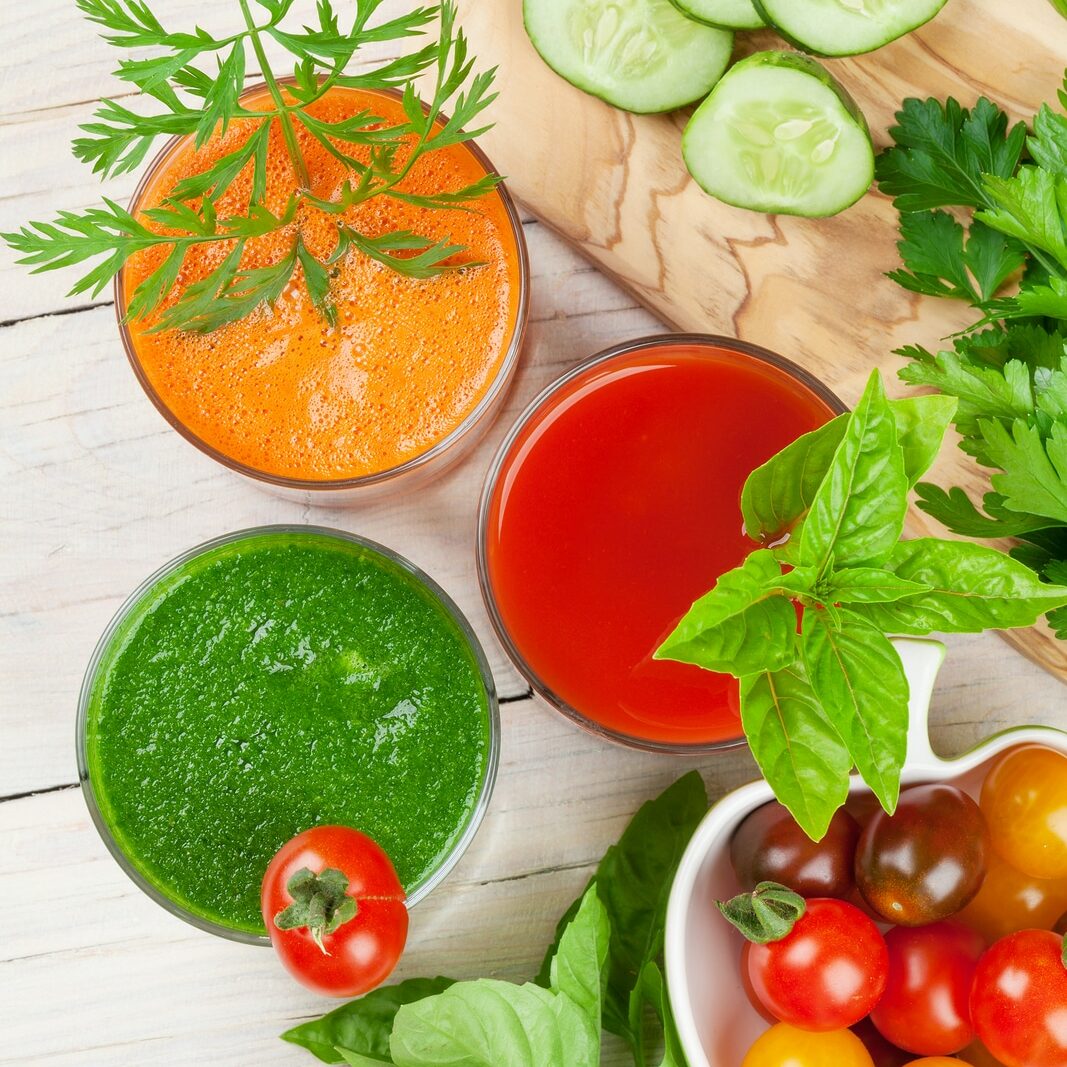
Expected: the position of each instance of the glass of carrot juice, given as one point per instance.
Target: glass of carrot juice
(400, 387)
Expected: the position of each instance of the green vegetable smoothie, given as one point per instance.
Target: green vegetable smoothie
(275, 681)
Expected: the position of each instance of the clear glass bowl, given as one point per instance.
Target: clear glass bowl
(128, 863)
(414, 472)
(744, 351)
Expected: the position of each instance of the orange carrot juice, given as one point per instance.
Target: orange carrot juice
(281, 393)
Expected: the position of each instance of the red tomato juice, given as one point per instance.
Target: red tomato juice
(615, 507)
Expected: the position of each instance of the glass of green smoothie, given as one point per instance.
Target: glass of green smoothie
(275, 679)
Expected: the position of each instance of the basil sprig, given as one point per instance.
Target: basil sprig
(828, 694)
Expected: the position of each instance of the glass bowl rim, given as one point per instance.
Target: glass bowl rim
(488, 779)
(485, 405)
(737, 348)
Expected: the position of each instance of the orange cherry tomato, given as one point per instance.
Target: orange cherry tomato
(1024, 800)
(786, 1046)
(1010, 901)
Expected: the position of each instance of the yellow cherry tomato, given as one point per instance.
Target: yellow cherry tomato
(1024, 800)
(1010, 901)
(935, 1061)
(786, 1046)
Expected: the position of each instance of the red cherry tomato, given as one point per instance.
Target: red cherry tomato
(925, 1005)
(927, 860)
(769, 846)
(746, 984)
(1019, 1000)
(1010, 901)
(785, 1046)
(1024, 800)
(826, 973)
(311, 878)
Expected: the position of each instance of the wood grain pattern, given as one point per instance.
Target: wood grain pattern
(615, 186)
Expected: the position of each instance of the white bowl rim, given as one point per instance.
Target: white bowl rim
(922, 660)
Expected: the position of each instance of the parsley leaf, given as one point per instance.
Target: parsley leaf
(942, 151)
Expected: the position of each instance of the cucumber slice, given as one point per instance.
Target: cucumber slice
(728, 14)
(846, 27)
(778, 134)
(640, 55)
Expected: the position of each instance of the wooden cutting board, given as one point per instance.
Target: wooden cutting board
(613, 184)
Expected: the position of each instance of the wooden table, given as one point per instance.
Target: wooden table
(98, 492)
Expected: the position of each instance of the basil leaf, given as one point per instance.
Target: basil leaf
(486, 1023)
(651, 991)
(633, 882)
(357, 1059)
(796, 746)
(362, 1026)
(921, 424)
(741, 626)
(971, 588)
(780, 492)
(858, 512)
(858, 678)
(577, 968)
(867, 585)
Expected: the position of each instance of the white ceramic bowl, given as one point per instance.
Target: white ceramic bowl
(715, 1020)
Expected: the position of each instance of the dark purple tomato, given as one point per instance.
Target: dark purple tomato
(927, 860)
(769, 846)
(882, 1052)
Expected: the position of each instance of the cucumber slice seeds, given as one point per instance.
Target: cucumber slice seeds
(727, 14)
(846, 27)
(640, 55)
(778, 134)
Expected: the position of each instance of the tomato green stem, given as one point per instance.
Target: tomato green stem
(320, 903)
(766, 914)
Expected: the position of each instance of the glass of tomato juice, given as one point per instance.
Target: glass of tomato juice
(411, 373)
(612, 505)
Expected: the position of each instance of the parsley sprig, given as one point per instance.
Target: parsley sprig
(198, 80)
(983, 218)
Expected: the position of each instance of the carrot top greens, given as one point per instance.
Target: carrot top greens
(200, 104)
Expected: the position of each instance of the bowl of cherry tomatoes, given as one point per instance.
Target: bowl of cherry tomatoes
(930, 937)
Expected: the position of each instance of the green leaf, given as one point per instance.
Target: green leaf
(940, 263)
(1048, 145)
(1034, 478)
(577, 968)
(220, 103)
(956, 511)
(430, 257)
(486, 1023)
(633, 882)
(743, 625)
(858, 511)
(766, 914)
(214, 181)
(362, 1026)
(796, 746)
(651, 991)
(858, 678)
(972, 588)
(921, 424)
(317, 281)
(778, 494)
(867, 585)
(942, 151)
(1029, 207)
